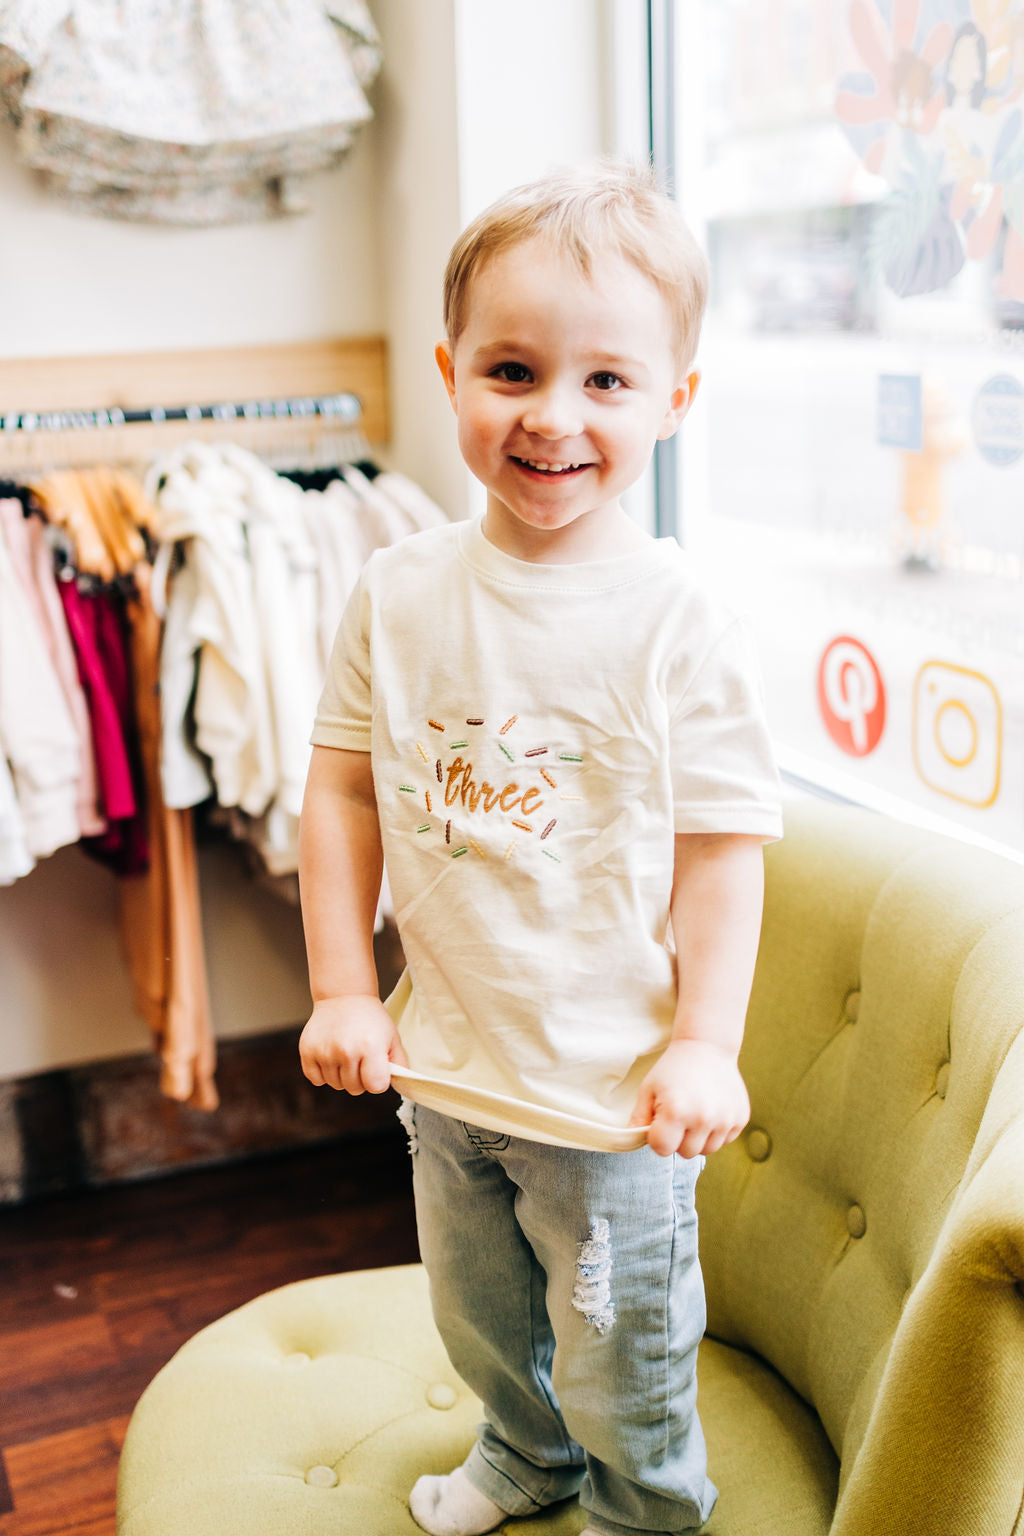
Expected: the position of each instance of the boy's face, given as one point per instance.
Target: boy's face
(561, 384)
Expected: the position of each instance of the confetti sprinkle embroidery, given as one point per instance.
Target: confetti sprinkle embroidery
(473, 787)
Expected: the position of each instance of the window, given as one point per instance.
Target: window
(854, 474)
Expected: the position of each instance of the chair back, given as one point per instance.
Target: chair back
(865, 1235)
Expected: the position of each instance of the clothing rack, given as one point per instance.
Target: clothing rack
(305, 401)
(344, 408)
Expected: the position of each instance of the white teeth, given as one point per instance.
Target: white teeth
(551, 469)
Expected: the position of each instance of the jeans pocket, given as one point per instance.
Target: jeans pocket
(484, 1140)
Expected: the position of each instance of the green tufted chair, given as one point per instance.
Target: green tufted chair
(863, 1251)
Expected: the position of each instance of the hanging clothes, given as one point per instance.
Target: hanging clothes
(171, 638)
(94, 620)
(33, 559)
(186, 111)
(257, 574)
(114, 632)
(212, 655)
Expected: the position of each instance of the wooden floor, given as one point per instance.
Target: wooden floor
(97, 1291)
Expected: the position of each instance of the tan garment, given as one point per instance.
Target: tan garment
(161, 924)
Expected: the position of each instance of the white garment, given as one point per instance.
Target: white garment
(200, 501)
(339, 537)
(194, 111)
(32, 558)
(539, 734)
(420, 510)
(284, 587)
(385, 520)
(37, 734)
(15, 859)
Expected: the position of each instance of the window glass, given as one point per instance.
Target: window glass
(855, 472)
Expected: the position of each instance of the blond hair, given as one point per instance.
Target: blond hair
(614, 207)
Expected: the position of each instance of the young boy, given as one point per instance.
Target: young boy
(556, 736)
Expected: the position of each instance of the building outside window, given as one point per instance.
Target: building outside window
(854, 473)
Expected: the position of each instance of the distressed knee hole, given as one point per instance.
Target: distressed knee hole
(407, 1115)
(592, 1291)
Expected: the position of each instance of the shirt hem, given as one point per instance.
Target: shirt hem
(348, 741)
(721, 820)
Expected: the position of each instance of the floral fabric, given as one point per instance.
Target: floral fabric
(186, 111)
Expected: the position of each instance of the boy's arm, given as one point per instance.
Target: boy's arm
(349, 1038)
(694, 1097)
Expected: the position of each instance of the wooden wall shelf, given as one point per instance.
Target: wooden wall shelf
(136, 381)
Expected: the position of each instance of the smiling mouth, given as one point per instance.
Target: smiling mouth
(554, 471)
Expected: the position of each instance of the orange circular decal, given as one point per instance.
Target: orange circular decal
(851, 696)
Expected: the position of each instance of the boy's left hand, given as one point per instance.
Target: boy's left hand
(693, 1098)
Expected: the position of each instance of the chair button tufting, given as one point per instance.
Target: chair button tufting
(322, 1477)
(759, 1145)
(852, 1007)
(856, 1222)
(298, 1358)
(441, 1395)
(942, 1080)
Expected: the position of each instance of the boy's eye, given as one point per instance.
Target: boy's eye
(512, 373)
(606, 381)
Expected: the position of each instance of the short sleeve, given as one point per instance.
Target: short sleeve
(724, 777)
(344, 713)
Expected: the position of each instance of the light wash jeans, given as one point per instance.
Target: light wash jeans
(566, 1287)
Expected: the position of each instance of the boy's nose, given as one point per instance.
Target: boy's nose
(552, 414)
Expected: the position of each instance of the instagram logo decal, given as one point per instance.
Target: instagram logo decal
(958, 732)
(851, 696)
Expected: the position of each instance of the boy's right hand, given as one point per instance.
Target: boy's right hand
(349, 1043)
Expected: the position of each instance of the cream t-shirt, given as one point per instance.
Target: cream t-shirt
(539, 734)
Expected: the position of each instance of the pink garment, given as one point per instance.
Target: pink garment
(124, 847)
(113, 769)
(32, 559)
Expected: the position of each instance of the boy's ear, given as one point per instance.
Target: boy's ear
(446, 363)
(682, 399)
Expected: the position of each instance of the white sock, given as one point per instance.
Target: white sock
(451, 1506)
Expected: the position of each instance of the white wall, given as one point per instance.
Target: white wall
(479, 95)
(474, 96)
(72, 284)
(530, 94)
(416, 201)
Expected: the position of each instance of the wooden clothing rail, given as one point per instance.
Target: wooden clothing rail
(293, 390)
